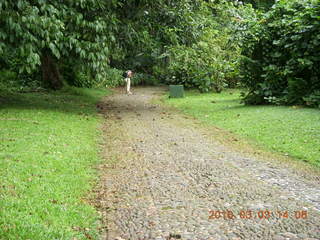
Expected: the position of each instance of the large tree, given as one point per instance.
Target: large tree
(42, 32)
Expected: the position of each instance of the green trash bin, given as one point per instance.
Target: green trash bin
(176, 91)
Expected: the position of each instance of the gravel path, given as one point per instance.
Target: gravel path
(167, 178)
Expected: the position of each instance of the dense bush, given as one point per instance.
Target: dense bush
(260, 4)
(144, 79)
(211, 63)
(281, 61)
(76, 74)
(201, 66)
(12, 75)
(8, 80)
(113, 78)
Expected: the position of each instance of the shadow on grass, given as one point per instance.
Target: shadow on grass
(70, 101)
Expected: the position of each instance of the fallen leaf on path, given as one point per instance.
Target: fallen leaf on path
(151, 224)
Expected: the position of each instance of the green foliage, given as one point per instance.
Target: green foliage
(8, 80)
(313, 99)
(13, 79)
(260, 4)
(281, 63)
(192, 68)
(195, 43)
(144, 36)
(84, 79)
(210, 63)
(77, 30)
(75, 74)
(146, 28)
(206, 65)
(145, 79)
(113, 78)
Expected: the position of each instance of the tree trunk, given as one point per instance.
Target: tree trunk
(50, 72)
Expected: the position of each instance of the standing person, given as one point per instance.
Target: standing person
(128, 74)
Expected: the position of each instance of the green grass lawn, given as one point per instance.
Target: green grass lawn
(48, 148)
(293, 131)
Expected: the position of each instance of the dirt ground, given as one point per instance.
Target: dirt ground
(167, 177)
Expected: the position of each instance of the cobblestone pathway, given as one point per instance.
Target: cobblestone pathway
(169, 179)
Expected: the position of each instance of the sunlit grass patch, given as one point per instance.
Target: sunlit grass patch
(48, 147)
(293, 131)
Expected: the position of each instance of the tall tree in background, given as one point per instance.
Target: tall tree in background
(147, 27)
(42, 32)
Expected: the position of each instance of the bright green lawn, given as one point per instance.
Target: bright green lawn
(291, 130)
(48, 147)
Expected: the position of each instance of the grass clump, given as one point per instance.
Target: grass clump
(294, 131)
(48, 147)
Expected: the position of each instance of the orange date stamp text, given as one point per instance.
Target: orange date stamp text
(261, 214)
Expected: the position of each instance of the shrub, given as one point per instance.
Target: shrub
(144, 79)
(8, 80)
(12, 77)
(206, 65)
(113, 78)
(281, 63)
(313, 99)
(212, 62)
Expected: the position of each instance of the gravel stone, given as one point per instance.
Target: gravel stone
(167, 172)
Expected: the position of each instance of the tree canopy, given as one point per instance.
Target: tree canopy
(266, 46)
(43, 32)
